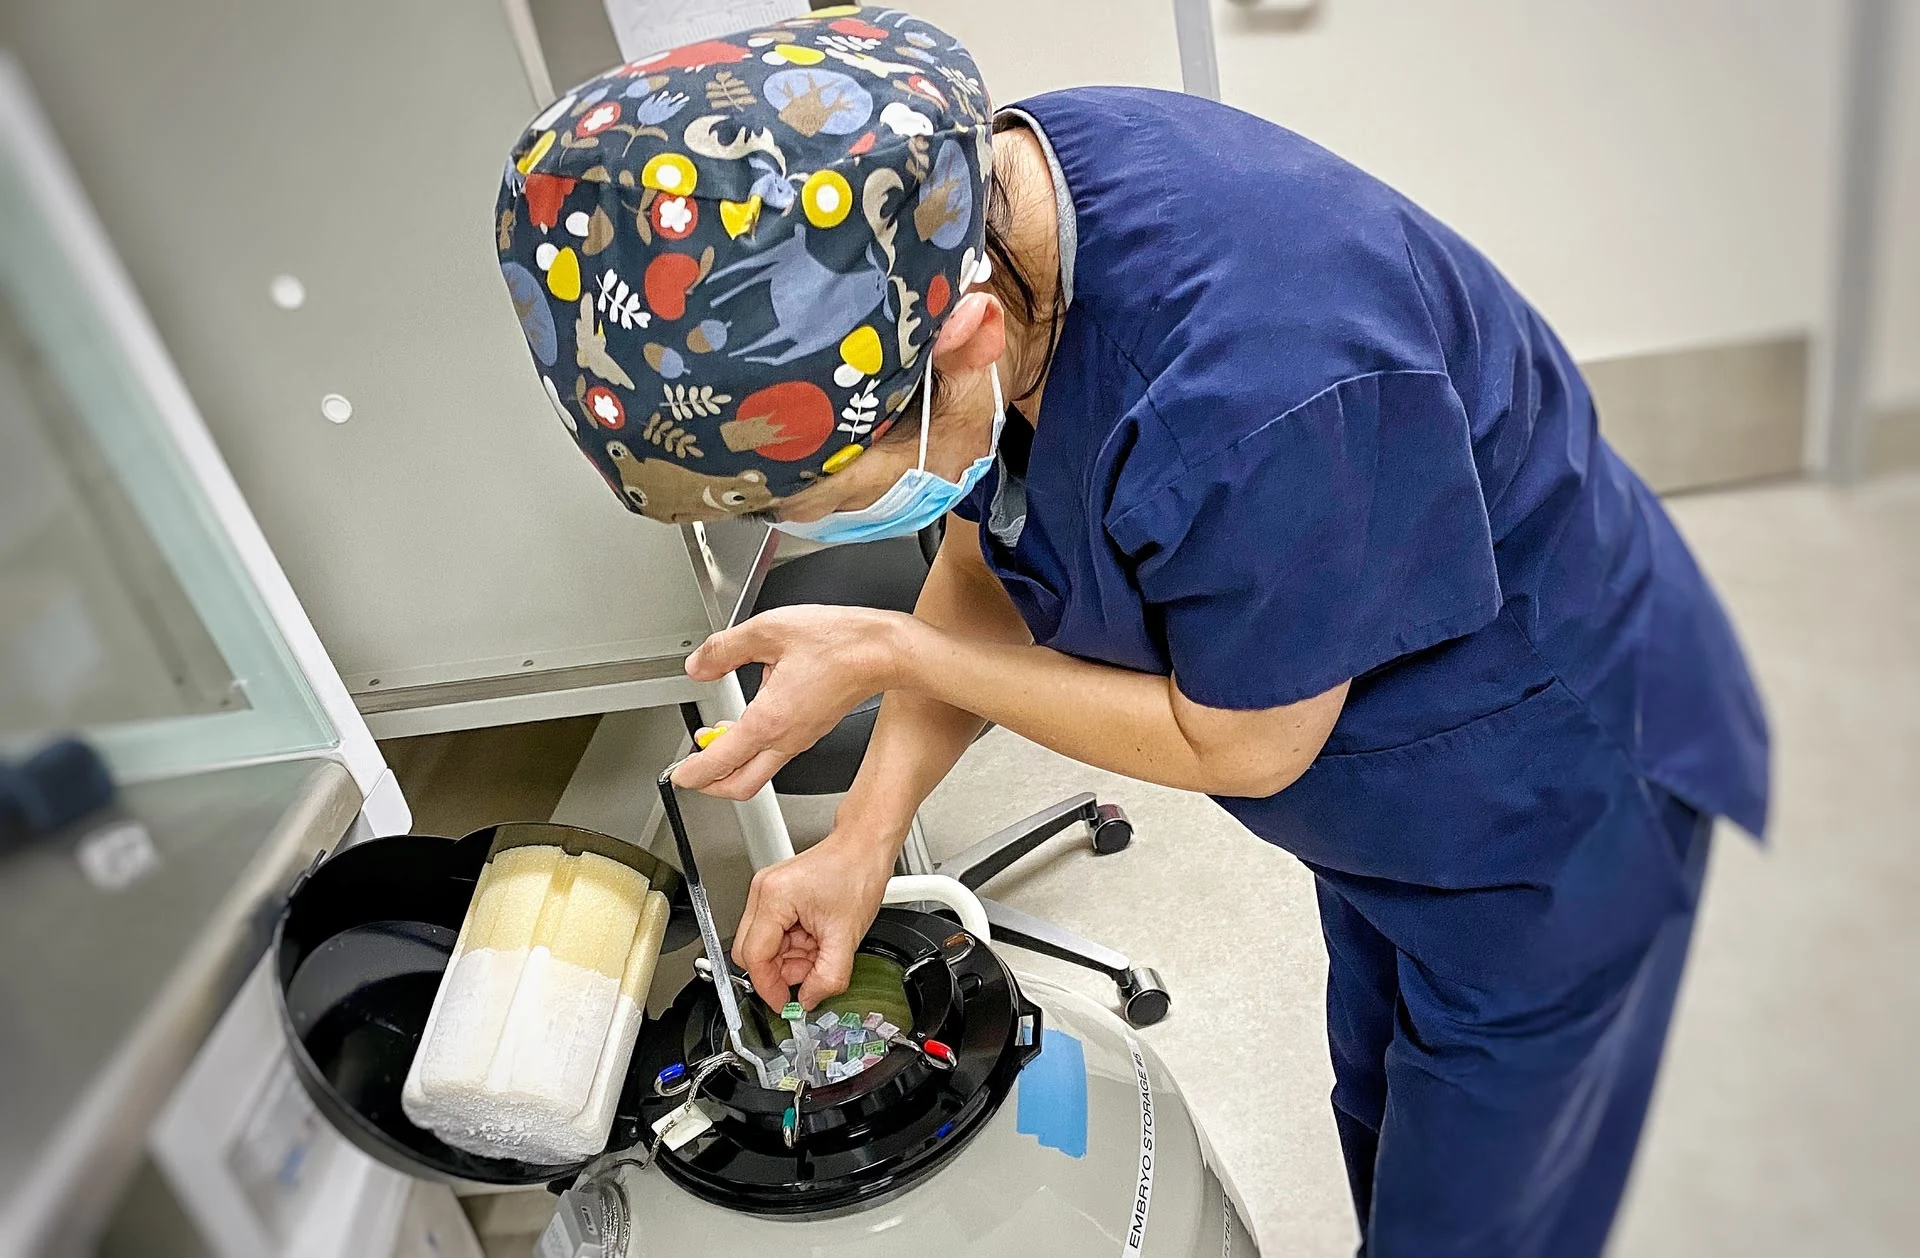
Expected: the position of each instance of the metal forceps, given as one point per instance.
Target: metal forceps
(768, 1074)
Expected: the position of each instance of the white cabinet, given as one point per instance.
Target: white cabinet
(447, 533)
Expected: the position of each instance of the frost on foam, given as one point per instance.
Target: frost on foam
(528, 1041)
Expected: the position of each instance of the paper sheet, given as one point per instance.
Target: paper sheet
(644, 27)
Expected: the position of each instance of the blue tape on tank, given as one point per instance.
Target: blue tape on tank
(1053, 1095)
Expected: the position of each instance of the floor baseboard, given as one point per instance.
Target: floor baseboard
(1894, 444)
(1714, 415)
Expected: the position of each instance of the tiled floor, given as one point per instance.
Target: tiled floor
(1788, 1119)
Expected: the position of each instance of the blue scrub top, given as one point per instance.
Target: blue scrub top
(1297, 431)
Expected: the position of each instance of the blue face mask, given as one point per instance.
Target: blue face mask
(916, 500)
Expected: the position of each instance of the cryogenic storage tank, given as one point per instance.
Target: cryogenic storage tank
(1011, 1117)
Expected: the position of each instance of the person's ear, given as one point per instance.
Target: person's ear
(974, 335)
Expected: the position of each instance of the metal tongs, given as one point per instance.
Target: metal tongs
(768, 1074)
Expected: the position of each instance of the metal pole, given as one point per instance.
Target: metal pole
(762, 824)
(730, 559)
(1199, 66)
(533, 59)
(1841, 449)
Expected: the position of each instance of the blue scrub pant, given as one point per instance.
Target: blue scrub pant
(1506, 1134)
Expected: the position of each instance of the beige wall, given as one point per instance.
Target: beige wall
(1654, 175)
(1029, 46)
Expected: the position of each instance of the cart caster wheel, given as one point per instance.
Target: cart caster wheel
(1112, 832)
(1146, 998)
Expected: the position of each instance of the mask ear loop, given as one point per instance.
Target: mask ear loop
(926, 412)
(981, 271)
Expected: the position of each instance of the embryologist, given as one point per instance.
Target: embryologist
(1263, 483)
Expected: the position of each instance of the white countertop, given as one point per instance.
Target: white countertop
(105, 995)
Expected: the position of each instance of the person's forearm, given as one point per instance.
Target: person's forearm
(1111, 718)
(917, 739)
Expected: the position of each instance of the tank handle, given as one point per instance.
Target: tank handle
(1032, 1012)
(941, 889)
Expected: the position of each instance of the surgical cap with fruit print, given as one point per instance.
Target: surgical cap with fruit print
(729, 259)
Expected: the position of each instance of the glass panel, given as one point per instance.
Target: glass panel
(124, 612)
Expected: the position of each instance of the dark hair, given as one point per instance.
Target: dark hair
(1010, 282)
(1016, 291)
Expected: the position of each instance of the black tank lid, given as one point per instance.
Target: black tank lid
(869, 1136)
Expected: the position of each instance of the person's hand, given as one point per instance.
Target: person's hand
(821, 663)
(805, 918)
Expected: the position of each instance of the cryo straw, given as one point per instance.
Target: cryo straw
(710, 936)
(805, 1066)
